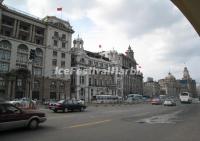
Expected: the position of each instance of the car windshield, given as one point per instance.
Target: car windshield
(61, 101)
(184, 94)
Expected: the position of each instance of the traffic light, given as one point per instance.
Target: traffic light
(32, 54)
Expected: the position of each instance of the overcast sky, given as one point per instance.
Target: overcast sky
(161, 37)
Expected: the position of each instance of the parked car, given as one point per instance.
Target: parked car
(14, 117)
(169, 102)
(23, 103)
(156, 101)
(52, 103)
(67, 105)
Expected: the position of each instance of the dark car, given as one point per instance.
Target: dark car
(14, 117)
(67, 105)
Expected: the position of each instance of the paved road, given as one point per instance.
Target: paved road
(140, 122)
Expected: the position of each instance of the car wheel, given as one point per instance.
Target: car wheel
(55, 111)
(33, 124)
(65, 110)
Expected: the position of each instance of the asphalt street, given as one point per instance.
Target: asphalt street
(140, 122)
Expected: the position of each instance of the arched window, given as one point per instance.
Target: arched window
(6, 45)
(22, 54)
(5, 53)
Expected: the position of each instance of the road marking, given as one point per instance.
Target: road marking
(89, 123)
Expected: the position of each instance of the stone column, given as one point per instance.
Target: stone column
(14, 28)
(33, 34)
(17, 29)
(30, 33)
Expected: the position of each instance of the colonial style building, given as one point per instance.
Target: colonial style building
(51, 38)
(187, 84)
(169, 86)
(172, 87)
(93, 80)
(151, 88)
(131, 82)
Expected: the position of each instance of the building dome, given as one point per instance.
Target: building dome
(170, 77)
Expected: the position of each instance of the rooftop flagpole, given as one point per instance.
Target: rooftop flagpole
(60, 10)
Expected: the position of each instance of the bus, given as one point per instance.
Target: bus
(100, 99)
(185, 97)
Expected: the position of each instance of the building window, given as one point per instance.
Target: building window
(2, 83)
(82, 79)
(54, 62)
(90, 81)
(55, 43)
(5, 50)
(62, 64)
(22, 54)
(95, 82)
(53, 86)
(96, 64)
(38, 61)
(36, 84)
(101, 65)
(56, 34)
(63, 36)
(90, 62)
(19, 82)
(100, 82)
(61, 87)
(37, 71)
(63, 55)
(55, 53)
(63, 44)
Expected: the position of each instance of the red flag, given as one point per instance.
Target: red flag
(59, 9)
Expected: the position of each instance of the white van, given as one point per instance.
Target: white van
(185, 97)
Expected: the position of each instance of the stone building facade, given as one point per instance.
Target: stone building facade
(93, 81)
(169, 86)
(151, 88)
(132, 83)
(51, 38)
(172, 87)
